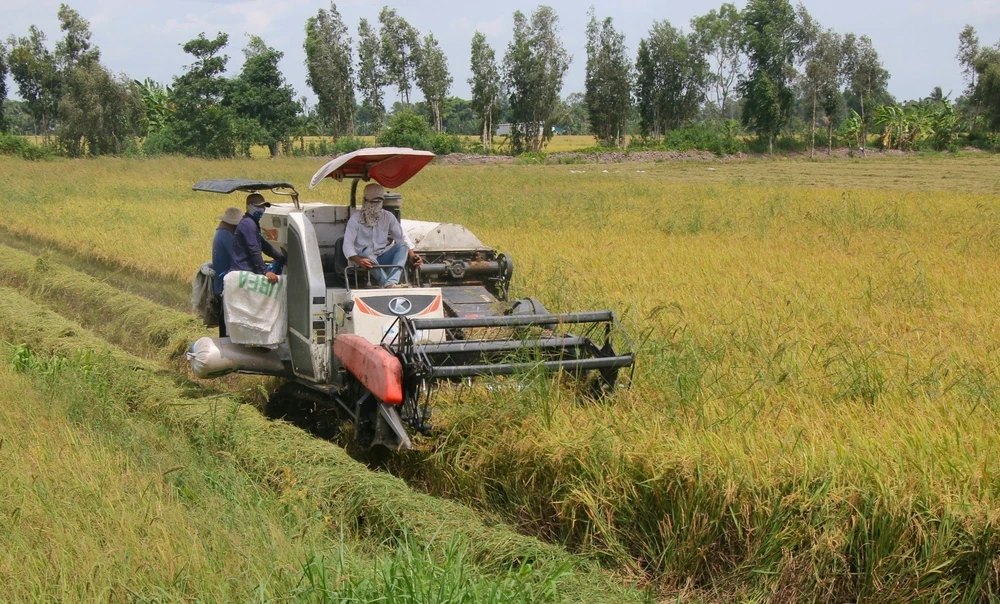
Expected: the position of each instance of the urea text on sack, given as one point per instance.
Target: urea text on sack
(259, 284)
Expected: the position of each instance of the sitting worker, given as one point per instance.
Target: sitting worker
(222, 257)
(366, 241)
(248, 243)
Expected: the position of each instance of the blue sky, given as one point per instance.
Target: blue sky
(917, 39)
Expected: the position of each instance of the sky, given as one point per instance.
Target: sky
(917, 39)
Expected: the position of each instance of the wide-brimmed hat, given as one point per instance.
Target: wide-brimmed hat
(256, 199)
(373, 191)
(232, 216)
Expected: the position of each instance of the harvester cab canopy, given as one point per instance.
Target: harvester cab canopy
(388, 166)
(231, 185)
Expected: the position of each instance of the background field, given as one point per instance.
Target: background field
(813, 412)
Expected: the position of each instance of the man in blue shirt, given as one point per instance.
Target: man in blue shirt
(222, 256)
(248, 243)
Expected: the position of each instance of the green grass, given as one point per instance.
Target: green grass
(813, 412)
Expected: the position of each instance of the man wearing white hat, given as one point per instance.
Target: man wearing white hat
(366, 240)
(222, 256)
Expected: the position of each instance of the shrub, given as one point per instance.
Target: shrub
(406, 129)
(443, 144)
(23, 148)
(346, 144)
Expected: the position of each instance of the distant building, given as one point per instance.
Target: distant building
(505, 129)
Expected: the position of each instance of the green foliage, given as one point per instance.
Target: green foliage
(372, 77)
(263, 104)
(485, 83)
(155, 99)
(33, 68)
(866, 78)
(770, 38)
(98, 113)
(608, 82)
(433, 78)
(329, 62)
(407, 129)
(672, 73)
(74, 49)
(720, 35)
(4, 127)
(21, 147)
(399, 53)
(534, 67)
(200, 125)
(987, 91)
(722, 137)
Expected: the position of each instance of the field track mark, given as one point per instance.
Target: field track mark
(163, 290)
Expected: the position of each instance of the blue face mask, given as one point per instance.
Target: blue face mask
(256, 212)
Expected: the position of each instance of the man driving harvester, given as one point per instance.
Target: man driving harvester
(366, 240)
(248, 242)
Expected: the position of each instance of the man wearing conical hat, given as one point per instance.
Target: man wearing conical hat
(222, 256)
(366, 240)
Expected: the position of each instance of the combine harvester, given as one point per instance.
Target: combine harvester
(376, 353)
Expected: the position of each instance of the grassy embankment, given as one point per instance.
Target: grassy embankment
(813, 412)
(124, 482)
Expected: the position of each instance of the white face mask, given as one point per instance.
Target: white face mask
(371, 211)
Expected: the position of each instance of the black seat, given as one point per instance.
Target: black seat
(334, 267)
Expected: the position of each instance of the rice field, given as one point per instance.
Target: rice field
(813, 410)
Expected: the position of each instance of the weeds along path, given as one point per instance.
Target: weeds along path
(347, 495)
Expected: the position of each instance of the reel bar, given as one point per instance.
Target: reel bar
(601, 316)
(491, 346)
(568, 365)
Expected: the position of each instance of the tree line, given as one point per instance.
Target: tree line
(768, 69)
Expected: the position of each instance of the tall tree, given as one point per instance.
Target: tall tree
(34, 70)
(75, 48)
(433, 78)
(987, 93)
(968, 51)
(3, 87)
(608, 81)
(866, 78)
(99, 114)
(371, 75)
(534, 67)
(720, 33)
(823, 61)
(330, 69)
(400, 53)
(200, 125)
(673, 74)
(261, 94)
(485, 83)
(771, 39)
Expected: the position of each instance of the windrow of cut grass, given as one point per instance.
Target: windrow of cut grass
(813, 410)
(100, 503)
(281, 468)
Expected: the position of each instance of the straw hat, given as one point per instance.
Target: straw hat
(232, 216)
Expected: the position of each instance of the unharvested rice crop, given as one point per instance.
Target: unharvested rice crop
(813, 410)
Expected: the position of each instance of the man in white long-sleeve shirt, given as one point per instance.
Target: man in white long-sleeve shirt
(366, 241)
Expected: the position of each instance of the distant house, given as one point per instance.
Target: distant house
(505, 129)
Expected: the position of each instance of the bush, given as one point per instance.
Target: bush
(406, 129)
(23, 148)
(443, 144)
(719, 137)
(346, 144)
